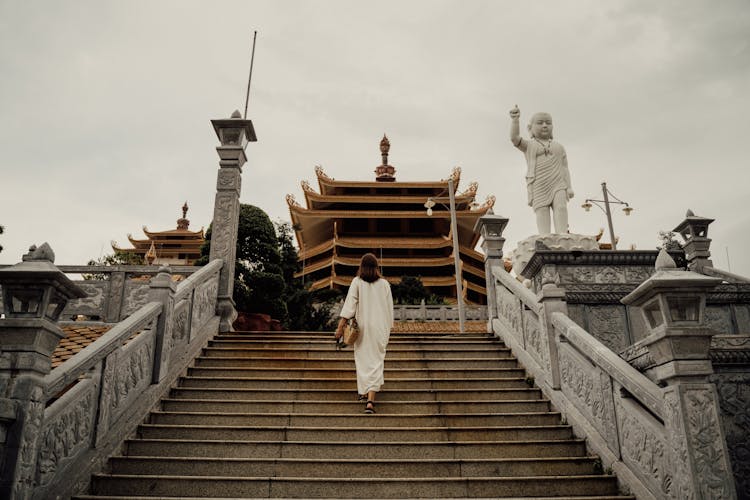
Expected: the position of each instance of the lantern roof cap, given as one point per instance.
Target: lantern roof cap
(37, 267)
(669, 278)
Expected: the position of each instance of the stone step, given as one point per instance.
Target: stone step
(294, 467)
(333, 362)
(354, 407)
(389, 374)
(301, 343)
(131, 497)
(293, 487)
(330, 352)
(360, 450)
(410, 395)
(347, 434)
(412, 337)
(323, 419)
(348, 383)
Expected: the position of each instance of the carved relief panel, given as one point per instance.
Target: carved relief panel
(608, 324)
(91, 305)
(68, 432)
(734, 400)
(590, 390)
(642, 445)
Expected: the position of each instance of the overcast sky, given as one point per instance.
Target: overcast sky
(105, 109)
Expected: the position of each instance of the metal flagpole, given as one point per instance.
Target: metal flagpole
(250, 77)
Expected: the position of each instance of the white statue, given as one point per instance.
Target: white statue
(547, 177)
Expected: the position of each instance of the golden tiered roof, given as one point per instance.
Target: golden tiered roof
(174, 246)
(343, 220)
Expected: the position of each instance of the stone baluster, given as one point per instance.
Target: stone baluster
(162, 289)
(673, 304)
(34, 294)
(491, 229)
(234, 134)
(552, 298)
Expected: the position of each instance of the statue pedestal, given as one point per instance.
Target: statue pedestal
(562, 242)
(594, 282)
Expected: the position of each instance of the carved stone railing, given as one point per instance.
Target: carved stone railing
(640, 430)
(97, 398)
(423, 312)
(122, 290)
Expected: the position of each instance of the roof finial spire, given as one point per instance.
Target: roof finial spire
(183, 223)
(385, 146)
(385, 172)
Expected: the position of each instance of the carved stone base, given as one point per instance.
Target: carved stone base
(567, 242)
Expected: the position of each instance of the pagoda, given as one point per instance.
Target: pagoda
(343, 220)
(178, 246)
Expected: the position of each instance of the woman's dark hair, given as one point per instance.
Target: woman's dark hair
(368, 268)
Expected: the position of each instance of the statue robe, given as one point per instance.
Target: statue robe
(546, 174)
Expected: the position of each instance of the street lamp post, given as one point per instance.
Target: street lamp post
(456, 257)
(607, 202)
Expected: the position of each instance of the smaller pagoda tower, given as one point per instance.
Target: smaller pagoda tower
(178, 246)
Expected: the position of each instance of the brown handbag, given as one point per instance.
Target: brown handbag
(351, 332)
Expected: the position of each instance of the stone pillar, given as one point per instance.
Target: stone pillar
(673, 305)
(233, 133)
(694, 230)
(163, 290)
(34, 294)
(552, 298)
(491, 228)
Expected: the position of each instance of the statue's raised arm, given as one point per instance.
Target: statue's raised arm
(547, 176)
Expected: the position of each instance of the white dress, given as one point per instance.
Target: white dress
(372, 305)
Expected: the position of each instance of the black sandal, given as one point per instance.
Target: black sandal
(362, 397)
(370, 407)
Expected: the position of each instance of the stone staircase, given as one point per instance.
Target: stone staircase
(275, 415)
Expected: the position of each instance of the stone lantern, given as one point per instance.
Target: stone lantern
(35, 293)
(694, 230)
(35, 288)
(673, 304)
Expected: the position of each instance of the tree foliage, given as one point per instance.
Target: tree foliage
(307, 310)
(668, 241)
(258, 279)
(410, 290)
(114, 259)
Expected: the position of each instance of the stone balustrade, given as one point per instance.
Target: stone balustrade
(90, 403)
(644, 430)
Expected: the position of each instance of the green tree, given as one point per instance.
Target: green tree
(668, 241)
(307, 310)
(409, 290)
(258, 279)
(113, 259)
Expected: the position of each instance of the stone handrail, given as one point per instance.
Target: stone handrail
(637, 384)
(94, 353)
(405, 312)
(99, 396)
(638, 429)
(123, 290)
(726, 275)
(517, 288)
(201, 276)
